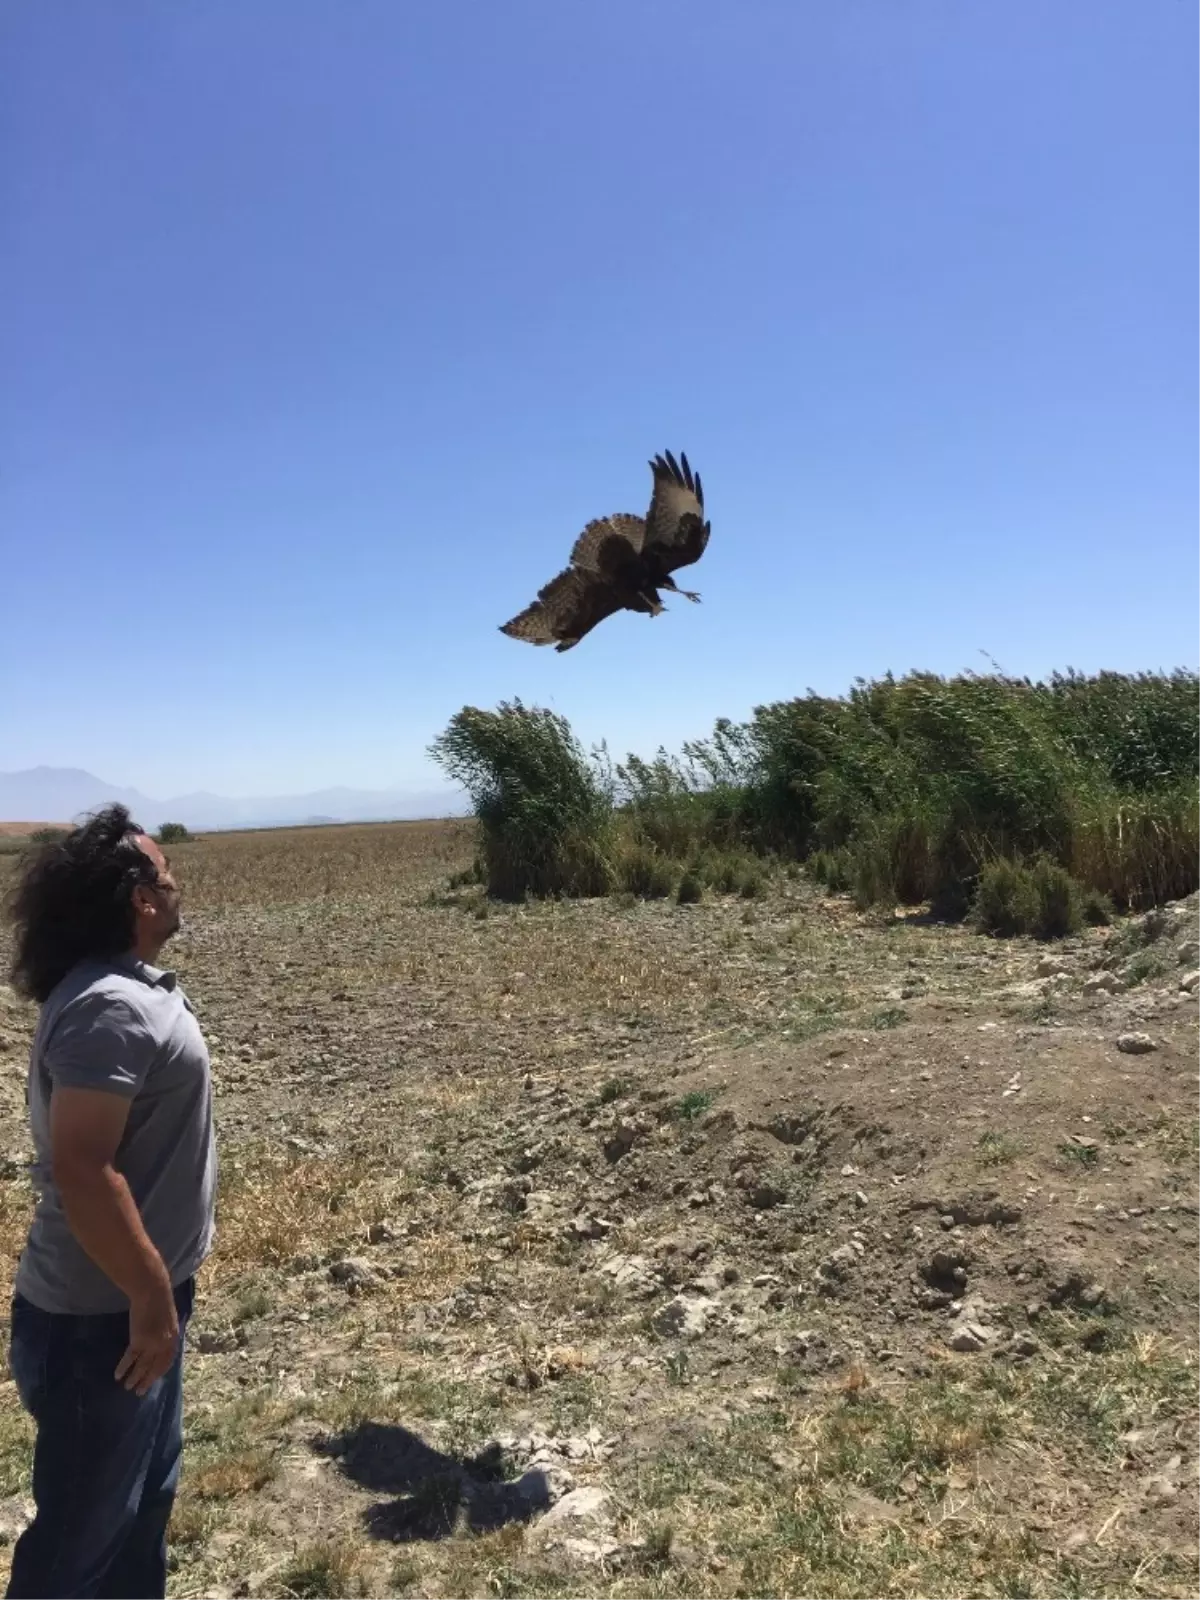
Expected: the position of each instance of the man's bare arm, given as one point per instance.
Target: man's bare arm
(85, 1132)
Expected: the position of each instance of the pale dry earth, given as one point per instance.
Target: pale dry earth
(753, 1247)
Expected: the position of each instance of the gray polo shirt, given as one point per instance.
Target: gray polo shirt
(125, 1028)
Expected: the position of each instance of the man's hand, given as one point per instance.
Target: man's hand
(153, 1340)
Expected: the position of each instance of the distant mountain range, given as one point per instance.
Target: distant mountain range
(61, 794)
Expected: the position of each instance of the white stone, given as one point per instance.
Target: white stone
(590, 1505)
(684, 1316)
(632, 1273)
(1102, 983)
(969, 1337)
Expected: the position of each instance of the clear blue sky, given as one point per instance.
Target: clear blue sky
(326, 326)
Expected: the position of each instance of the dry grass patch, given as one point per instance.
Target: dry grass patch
(275, 1206)
(191, 1523)
(243, 1472)
(328, 1569)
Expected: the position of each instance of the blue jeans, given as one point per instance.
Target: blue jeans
(106, 1461)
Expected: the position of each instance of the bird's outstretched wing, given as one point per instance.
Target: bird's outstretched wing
(676, 532)
(568, 607)
(607, 544)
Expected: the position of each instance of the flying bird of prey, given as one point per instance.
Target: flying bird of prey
(622, 561)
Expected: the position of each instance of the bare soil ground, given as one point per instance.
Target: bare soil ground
(749, 1248)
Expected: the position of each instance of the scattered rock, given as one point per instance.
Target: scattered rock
(1078, 1141)
(591, 1552)
(968, 1337)
(1190, 982)
(840, 1263)
(622, 1140)
(934, 1299)
(1102, 983)
(213, 1341)
(946, 1270)
(1073, 1285)
(354, 1273)
(634, 1274)
(976, 1210)
(589, 1226)
(580, 1516)
(685, 1317)
(1135, 1044)
(541, 1206)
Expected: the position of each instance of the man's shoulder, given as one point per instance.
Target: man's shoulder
(98, 989)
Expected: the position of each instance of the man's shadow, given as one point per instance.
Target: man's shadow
(436, 1495)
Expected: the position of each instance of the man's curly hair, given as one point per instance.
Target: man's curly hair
(74, 899)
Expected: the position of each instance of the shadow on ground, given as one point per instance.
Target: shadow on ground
(435, 1495)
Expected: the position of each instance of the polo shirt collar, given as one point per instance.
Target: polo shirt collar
(156, 977)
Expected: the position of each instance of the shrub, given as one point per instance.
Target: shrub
(173, 833)
(695, 1104)
(832, 868)
(751, 882)
(1059, 909)
(1043, 900)
(729, 872)
(545, 813)
(643, 872)
(691, 889)
(870, 881)
(1006, 901)
(721, 872)
(1097, 909)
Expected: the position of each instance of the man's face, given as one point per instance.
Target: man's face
(157, 904)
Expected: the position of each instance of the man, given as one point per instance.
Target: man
(120, 1107)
